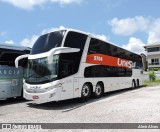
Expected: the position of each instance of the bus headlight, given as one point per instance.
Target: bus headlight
(58, 85)
(53, 87)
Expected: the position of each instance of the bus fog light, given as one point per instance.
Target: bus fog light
(51, 95)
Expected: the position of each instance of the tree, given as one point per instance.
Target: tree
(152, 76)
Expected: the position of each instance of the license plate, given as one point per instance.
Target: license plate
(35, 97)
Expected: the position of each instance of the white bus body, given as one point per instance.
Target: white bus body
(67, 64)
(11, 78)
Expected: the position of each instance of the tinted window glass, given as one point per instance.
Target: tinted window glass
(75, 40)
(114, 51)
(48, 41)
(121, 53)
(99, 47)
(8, 56)
(69, 64)
(107, 71)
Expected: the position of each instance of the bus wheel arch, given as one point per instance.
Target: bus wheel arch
(86, 91)
(99, 90)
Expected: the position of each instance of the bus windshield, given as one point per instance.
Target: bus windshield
(48, 41)
(40, 71)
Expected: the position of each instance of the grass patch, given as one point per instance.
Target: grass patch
(152, 83)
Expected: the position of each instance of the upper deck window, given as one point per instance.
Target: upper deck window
(48, 41)
(75, 40)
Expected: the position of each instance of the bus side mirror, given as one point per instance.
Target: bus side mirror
(19, 58)
(67, 50)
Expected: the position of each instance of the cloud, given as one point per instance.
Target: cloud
(154, 32)
(64, 2)
(129, 26)
(25, 4)
(102, 37)
(30, 41)
(30, 4)
(10, 42)
(135, 45)
(52, 29)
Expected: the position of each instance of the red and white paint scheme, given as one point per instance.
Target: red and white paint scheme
(109, 61)
(67, 63)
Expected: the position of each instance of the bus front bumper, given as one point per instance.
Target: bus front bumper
(39, 98)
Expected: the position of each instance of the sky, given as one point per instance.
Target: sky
(130, 24)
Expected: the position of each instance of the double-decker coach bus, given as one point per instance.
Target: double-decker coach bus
(67, 64)
(11, 78)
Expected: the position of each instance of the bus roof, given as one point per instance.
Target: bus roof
(13, 47)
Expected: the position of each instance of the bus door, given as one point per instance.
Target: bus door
(67, 82)
(17, 82)
(67, 88)
(14, 87)
(76, 87)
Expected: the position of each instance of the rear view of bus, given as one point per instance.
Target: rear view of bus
(11, 78)
(62, 65)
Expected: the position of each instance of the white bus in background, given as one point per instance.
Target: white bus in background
(11, 78)
(67, 64)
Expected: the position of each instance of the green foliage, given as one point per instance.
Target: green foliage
(152, 83)
(155, 69)
(152, 76)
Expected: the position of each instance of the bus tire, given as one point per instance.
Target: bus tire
(133, 84)
(137, 83)
(86, 92)
(98, 90)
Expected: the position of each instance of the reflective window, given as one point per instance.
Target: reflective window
(75, 40)
(8, 56)
(48, 41)
(107, 71)
(99, 47)
(69, 64)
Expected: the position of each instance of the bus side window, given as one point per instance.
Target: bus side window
(75, 40)
(99, 47)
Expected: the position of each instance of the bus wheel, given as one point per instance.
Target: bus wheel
(138, 83)
(86, 92)
(133, 84)
(98, 90)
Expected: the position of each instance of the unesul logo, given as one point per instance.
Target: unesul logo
(125, 63)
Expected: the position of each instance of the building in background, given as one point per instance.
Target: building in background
(153, 56)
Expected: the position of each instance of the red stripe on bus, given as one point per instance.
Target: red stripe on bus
(108, 60)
